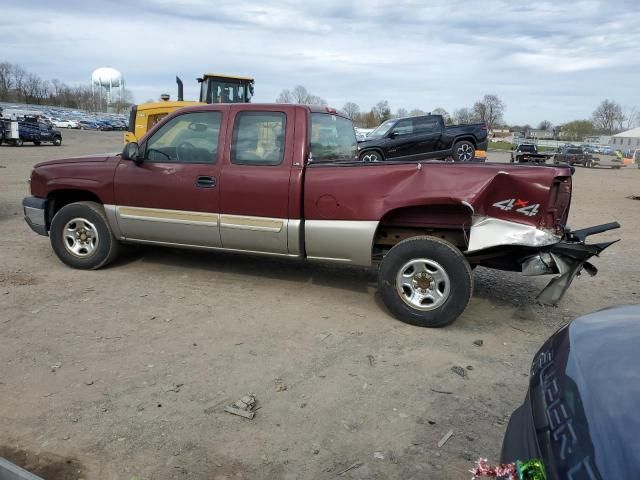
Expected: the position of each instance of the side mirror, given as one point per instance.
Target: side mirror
(393, 134)
(131, 152)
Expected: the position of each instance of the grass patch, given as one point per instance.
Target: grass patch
(501, 146)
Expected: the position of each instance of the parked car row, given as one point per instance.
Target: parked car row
(60, 117)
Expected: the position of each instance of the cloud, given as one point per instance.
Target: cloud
(552, 59)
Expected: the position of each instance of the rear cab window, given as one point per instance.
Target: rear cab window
(258, 138)
(333, 139)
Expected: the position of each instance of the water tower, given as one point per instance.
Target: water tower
(107, 78)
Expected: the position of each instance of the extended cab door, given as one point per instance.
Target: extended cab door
(255, 180)
(427, 132)
(173, 195)
(401, 142)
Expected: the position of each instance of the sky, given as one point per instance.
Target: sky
(554, 60)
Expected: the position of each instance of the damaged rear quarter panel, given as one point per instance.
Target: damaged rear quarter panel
(370, 191)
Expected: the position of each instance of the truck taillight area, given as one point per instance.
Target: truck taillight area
(559, 202)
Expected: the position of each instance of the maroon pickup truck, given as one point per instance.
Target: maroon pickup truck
(285, 180)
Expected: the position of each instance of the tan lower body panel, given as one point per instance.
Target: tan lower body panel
(254, 233)
(327, 240)
(169, 226)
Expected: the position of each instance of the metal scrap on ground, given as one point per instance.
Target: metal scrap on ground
(445, 439)
(245, 407)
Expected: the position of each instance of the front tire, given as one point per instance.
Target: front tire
(463, 151)
(425, 281)
(18, 142)
(371, 156)
(81, 237)
(57, 142)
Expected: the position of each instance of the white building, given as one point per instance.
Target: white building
(629, 140)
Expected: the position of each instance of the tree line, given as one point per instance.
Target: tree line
(608, 118)
(20, 86)
(489, 109)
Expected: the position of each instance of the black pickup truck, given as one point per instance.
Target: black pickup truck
(528, 153)
(421, 138)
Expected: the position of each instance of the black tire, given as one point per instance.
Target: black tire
(463, 151)
(37, 143)
(18, 142)
(371, 156)
(455, 288)
(106, 247)
(57, 141)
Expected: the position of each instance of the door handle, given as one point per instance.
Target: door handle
(205, 181)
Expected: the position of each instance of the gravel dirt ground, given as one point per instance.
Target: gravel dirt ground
(123, 373)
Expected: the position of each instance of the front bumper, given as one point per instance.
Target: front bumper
(35, 210)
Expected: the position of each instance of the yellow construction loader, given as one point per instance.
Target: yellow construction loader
(214, 88)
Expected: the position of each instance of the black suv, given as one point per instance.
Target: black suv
(421, 138)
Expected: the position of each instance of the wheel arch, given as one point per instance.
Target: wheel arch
(444, 219)
(371, 149)
(56, 199)
(469, 138)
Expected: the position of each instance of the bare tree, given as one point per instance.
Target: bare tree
(608, 116)
(123, 102)
(401, 112)
(545, 125)
(416, 112)
(445, 115)
(382, 111)
(463, 115)
(285, 97)
(5, 80)
(489, 110)
(351, 110)
(631, 118)
(299, 95)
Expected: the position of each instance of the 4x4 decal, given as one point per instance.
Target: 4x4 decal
(520, 206)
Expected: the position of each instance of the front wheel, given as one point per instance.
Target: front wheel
(463, 151)
(18, 142)
(81, 237)
(425, 281)
(371, 156)
(57, 141)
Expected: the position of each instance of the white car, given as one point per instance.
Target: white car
(65, 123)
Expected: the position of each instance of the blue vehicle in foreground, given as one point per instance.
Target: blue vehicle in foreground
(580, 415)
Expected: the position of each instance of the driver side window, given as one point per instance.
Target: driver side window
(189, 138)
(404, 127)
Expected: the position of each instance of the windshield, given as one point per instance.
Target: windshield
(218, 91)
(527, 148)
(332, 138)
(575, 150)
(382, 129)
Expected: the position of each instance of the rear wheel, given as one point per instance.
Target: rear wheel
(18, 142)
(81, 237)
(371, 156)
(463, 151)
(425, 281)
